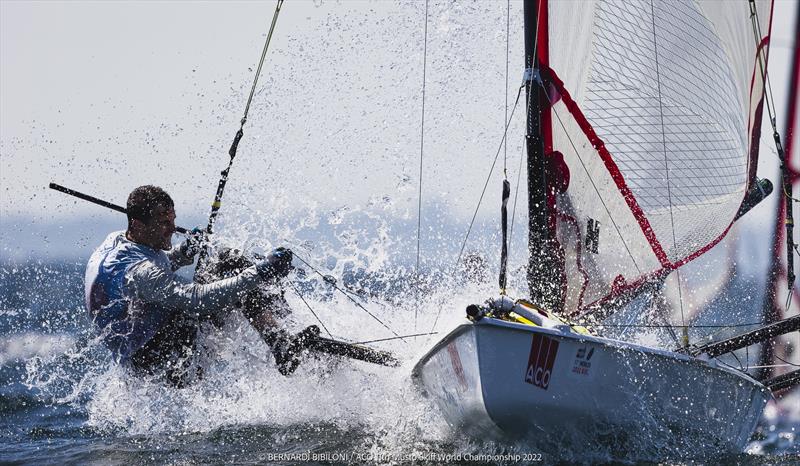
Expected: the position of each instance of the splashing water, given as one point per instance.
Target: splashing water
(377, 406)
(244, 407)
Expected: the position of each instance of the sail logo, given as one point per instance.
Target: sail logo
(541, 360)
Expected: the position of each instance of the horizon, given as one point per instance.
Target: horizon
(181, 88)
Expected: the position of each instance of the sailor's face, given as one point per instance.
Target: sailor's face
(161, 228)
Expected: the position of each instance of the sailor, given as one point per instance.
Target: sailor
(149, 316)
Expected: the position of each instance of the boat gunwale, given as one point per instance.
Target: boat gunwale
(614, 344)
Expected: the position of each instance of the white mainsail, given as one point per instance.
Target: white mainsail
(650, 143)
(660, 102)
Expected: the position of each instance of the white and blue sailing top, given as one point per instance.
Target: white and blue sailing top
(131, 291)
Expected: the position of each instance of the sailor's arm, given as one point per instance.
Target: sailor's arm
(152, 284)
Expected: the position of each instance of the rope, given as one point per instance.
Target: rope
(508, 27)
(597, 191)
(394, 338)
(328, 280)
(757, 35)
(310, 309)
(421, 146)
(685, 335)
(480, 200)
(215, 206)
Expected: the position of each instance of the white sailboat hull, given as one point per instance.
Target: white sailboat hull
(495, 378)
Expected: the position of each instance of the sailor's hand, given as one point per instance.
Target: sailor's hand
(193, 243)
(276, 265)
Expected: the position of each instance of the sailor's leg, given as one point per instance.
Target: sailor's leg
(261, 308)
(171, 352)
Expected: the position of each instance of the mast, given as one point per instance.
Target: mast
(783, 219)
(543, 266)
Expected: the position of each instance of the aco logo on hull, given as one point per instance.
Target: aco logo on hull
(541, 360)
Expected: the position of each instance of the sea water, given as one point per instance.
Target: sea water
(64, 401)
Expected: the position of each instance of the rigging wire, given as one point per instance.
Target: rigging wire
(215, 206)
(505, 116)
(765, 366)
(712, 335)
(480, 200)
(785, 361)
(597, 191)
(741, 366)
(261, 62)
(747, 356)
(519, 176)
(488, 178)
(506, 186)
(769, 100)
(346, 289)
(421, 146)
(685, 334)
(395, 338)
(771, 366)
(332, 282)
(516, 196)
(505, 133)
(309, 308)
(757, 35)
(232, 152)
(788, 299)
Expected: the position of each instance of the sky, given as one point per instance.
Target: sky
(105, 96)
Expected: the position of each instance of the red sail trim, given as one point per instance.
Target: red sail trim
(755, 132)
(618, 291)
(546, 125)
(777, 270)
(755, 136)
(668, 267)
(543, 52)
(612, 168)
(791, 113)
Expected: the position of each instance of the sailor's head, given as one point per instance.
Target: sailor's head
(151, 217)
